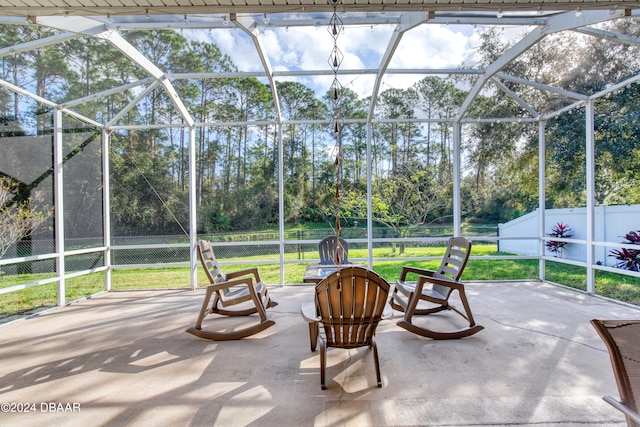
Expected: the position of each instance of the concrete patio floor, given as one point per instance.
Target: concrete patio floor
(124, 358)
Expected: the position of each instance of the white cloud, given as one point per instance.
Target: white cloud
(308, 48)
(430, 46)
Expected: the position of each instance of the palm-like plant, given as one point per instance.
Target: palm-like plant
(628, 259)
(559, 230)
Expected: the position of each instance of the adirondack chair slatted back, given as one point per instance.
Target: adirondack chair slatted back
(350, 303)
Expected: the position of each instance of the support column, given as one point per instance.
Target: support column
(193, 216)
(369, 196)
(58, 158)
(457, 216)
(542, 195)
(590, 184)
(106, 208)
(281, 201)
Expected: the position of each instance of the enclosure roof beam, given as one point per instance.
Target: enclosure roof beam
(44, 101)
(133, 103)
(217, 22)
(249, 26)
(561, 111)
(301, 73)
(125, 47)
(564, 21)
(98, 29)
(107, 92)
(325, 121)
(515, 97)
(37, 44)
(616, 87)
(407, 22)
(542, 87)
(610, 35)
(516, 50)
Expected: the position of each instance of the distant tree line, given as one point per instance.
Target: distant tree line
(237, 165)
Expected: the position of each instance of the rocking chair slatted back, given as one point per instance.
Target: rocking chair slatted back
(333, 250)
(453, 263)
(210, 263)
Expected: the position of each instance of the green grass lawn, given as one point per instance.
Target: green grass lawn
(20, 303)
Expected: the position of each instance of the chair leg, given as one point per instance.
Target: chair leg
(313, 335)
(323, 363)
(467, 309)
(395, 304)
(204, 309)
(376, 361)
(257, 301)
(412, 303)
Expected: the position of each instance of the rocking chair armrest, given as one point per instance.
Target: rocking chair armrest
(439, 281)
(247, 281)
(415, 270)
(249, 271)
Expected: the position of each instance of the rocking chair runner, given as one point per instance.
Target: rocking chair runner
(331, 246)
(444, 281)
(622, 338)
(349, 304)
(231, 289)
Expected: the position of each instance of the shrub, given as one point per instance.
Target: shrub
(558, 230)
(628, 259)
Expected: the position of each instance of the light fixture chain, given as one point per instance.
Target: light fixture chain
(335, 28)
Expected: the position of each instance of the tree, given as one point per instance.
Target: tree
(17, 219)
(400, 137)
(405, 202)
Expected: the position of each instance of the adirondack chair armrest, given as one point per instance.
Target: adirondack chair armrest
(309, 312)
(388, 312)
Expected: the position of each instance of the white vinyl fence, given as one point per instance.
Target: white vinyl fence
(611, 223)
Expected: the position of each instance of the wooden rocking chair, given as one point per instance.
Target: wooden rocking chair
(231, 289)
(349, 304)
(444, 281)
(333, 250)
(622, 338)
